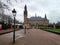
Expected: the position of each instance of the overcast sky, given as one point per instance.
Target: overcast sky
(41, 7)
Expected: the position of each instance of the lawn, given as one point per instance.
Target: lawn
(52, 29)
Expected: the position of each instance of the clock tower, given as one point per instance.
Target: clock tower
(25, 14)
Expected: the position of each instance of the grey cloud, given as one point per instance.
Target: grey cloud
(54, 16)
(52, 7)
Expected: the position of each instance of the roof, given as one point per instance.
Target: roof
(36, 18)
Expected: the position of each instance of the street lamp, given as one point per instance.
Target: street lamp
(14, 14)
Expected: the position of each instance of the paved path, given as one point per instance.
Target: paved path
(33, 37)
(40, 37)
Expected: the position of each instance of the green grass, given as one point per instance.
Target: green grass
(54, 30)
(51, 29)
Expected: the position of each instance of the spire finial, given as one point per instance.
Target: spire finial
(35, 15)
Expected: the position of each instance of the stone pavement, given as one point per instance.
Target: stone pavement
(32, 37)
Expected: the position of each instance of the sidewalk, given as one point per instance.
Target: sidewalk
(7, 39)
(6, 31)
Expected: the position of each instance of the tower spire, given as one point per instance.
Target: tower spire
(45, 16)
(35, 15)
(25, 14)
(25, 7)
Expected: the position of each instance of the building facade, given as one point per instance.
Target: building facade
(38, 21)
(35, 21)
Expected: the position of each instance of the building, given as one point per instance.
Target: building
(38, 21)
(34, 21)
(25, 15)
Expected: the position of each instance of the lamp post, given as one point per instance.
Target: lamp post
(14, 14)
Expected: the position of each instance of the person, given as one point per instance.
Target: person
(25, 30)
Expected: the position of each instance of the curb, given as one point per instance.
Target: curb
(7, 32)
